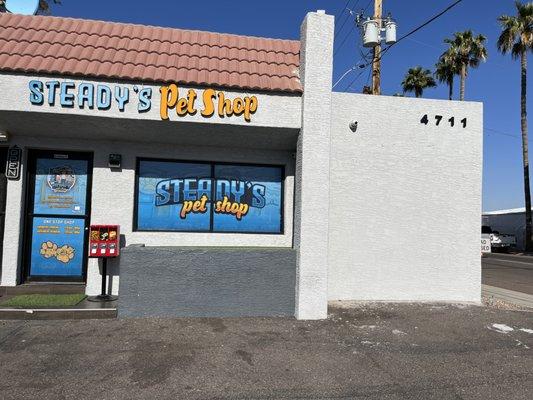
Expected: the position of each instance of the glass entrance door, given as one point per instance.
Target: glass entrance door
(57, 216)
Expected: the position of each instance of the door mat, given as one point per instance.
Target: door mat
(43, 300)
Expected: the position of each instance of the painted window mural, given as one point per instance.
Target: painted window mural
(57, 246)
(208, 197)
(60, 186)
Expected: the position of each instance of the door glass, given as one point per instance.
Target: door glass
(59, 216)
(60, 186)
(57, 246)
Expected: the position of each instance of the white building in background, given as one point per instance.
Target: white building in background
(341, 196)
(511, 221)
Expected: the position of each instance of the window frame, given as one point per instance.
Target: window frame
(212, 164)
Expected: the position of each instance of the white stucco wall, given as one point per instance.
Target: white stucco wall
(113, 197)
(405, 200)
(312, 168)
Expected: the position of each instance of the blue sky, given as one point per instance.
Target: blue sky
(496, 83)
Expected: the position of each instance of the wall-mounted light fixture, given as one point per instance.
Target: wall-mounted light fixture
(115, 161)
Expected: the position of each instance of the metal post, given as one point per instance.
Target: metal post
(104, 276)
(376, 61)
(103, 296)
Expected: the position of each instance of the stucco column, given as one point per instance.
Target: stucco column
(11, 263)
(312, 167)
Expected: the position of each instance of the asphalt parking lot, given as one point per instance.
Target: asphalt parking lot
(380, 351)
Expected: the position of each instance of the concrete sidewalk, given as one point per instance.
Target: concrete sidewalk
(510, 296)
(379, 351)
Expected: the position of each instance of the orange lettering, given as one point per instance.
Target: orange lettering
(169, 97)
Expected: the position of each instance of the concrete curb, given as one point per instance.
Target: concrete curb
(518, 298)
(525, 258)
(57, 313)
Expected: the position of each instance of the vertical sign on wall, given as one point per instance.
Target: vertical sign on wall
(14, 158)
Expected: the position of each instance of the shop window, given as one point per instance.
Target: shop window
(208, 197)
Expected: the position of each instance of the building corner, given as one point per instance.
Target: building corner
(312, 167)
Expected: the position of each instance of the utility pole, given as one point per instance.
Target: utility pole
(376, 62)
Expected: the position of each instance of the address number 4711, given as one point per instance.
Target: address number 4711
(439, 118)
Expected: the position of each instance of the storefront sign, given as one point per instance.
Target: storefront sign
(207, 102)
(183, 196)
(14, 158)
(212, 102)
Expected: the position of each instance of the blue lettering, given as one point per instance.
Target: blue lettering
(177, 183)
(258, 193)
(144, 100)
(66, 98)
(52, 86)
(237, 190)
(122, 97)
(204, 188)
(162, 193)
(223, 189)
(36, 92)
(86, 95)
(188, 192)
(103, 97)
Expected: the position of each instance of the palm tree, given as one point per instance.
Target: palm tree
(417, 79)
(517, 38)
(44, 5)
(470, 51)
(446, 69)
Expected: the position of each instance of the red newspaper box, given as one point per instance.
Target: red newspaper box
(104, 241)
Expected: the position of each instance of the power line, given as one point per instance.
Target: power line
(342, 26)
(411, 33)
(368, 5)
(426, 23)
(355, 80)
(342, 9)
(400, 39)
(337, 31)
(420, 27)
(502, 133)
(352, 68)
(357, 77)
(344, 41)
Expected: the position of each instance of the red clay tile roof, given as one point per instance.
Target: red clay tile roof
(67, 46)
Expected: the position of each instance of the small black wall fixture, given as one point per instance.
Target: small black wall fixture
(115, 161)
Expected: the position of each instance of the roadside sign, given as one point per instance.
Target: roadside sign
(485, 243)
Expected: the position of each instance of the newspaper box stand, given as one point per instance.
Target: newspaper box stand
(104, 243)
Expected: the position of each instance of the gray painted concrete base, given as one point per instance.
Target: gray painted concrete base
(206, 282)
